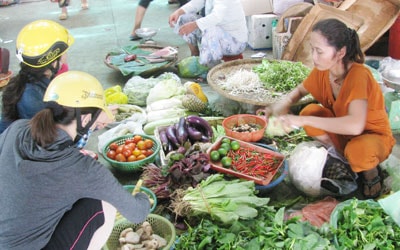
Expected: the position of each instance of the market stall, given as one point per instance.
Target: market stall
(186, 174)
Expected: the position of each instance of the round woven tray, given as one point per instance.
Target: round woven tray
(151, 48)
(225, 69)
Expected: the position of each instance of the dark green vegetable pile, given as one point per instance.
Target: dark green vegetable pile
(355, 224)
(364, 225)
(268, 231)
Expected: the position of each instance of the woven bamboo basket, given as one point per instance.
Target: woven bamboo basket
(224, 70)
(151, 48)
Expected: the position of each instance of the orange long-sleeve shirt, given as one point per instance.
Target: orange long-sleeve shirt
(358, 84)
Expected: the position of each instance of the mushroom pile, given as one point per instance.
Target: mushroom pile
(141, 239)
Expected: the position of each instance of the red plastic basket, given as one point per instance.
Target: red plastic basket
(266, 176)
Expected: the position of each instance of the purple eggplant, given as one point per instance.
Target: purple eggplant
(200, 124)
(194, 134)
(171, 135)
(181, 131)
(164, 140)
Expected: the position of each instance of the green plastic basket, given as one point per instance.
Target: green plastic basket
(134, 165)
(160, 225)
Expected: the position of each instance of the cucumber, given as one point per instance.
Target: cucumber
(149, 127)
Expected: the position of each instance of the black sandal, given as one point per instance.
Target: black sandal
(370, 183)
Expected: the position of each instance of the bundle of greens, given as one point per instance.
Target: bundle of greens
(223, 200)
(269, 230)
(281, 76)
(363, 224)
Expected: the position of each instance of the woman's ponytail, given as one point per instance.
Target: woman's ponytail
(44, 123)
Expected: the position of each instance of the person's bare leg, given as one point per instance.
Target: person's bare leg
(84, 4)
(140, 12)
(102, 234)
(194, 50)
(325, 140)
(64, 13)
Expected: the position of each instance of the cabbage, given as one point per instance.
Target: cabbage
(165, 89)
(276, 128)
(137, 89)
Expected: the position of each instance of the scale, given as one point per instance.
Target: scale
(147, 35)
(391, 79)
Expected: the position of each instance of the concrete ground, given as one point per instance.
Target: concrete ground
(105, 26)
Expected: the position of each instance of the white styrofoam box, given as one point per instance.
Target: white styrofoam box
(280, 6)
(254, 7)
(260, 30)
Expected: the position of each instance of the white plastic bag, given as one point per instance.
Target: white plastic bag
(318, 171)
(391, 206)
(306, 164)
(119, 130)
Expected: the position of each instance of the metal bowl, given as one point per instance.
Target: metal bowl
(146, 33)
(391, 78)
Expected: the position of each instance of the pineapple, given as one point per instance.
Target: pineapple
(193, 103)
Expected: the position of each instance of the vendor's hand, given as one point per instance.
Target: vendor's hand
(173, 18)
(89, 153)
(188, 28)
(103, 120)
(291, 122)
(266, 111)
(276, 109)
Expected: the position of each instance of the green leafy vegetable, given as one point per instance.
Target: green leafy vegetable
(281, 76)
(269, 230)
(224, 201)
(364, 225)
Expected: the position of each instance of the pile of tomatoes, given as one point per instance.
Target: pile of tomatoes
(132, 149)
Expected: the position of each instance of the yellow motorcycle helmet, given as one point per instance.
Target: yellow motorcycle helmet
(77, 89)
(41, 42)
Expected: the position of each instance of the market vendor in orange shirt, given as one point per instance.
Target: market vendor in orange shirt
(351, 113)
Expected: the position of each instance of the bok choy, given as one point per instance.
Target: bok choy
(223, 200)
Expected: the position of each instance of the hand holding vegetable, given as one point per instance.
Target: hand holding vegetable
(290, 122)
(281, 107)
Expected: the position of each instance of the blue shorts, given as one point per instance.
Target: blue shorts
(76, 228)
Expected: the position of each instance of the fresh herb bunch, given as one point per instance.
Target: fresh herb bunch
(363, 224)
(281, 76)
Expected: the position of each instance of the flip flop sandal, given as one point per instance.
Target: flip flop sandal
(85, 6)
(370, 183)
(134, 37)
(63, 16)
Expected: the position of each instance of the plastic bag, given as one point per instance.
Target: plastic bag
(317, 171)
(391, 165)
(138, 88)
(387, 64)
(391, 206)
(337, 177)
(316, 213)
(306, 164)
(119, 130)
(190, 67)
